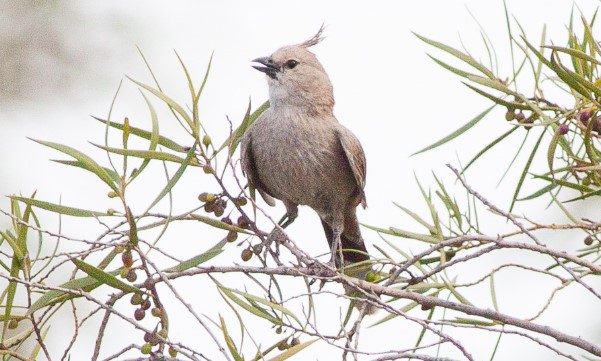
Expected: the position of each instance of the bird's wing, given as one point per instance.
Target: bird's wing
(355, 157)
(250, 170)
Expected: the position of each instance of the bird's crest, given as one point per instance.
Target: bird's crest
(316, 39)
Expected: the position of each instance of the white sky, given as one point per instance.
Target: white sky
(388, 92)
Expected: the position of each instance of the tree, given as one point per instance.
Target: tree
(128, 274)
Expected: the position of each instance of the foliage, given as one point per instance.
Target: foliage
(132, 256)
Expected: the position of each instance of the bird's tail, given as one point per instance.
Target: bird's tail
(354, 254)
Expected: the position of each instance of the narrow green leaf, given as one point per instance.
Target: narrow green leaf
(229, 342)
(218, 224)
(146, 154)
(173, 181)
(249, 119)
(525, 171)
(165, 142)
(417, 218)
(170, 102)
(104, 277)
(564, 183)
(87, 163)
(154, 138)
(57, 208)
(293, 351)
(575, 53)
(75, 163)
(489, 147)
(267, 303)
(52, 297)
(551, 151)
(456, 133)
(458, 54)
(452, 69)
(502, 102)
(544, 190)
(259, 312)
(201, 258)
(405, 234)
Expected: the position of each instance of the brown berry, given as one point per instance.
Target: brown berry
(127, 259)
(12, 324)
(146, 304)
(283, 345)
(231, 236)
(226, 220)
(588, 240)
(156, 312)
(563, 129)
(246, 254)
(243, 222)
(209, 207)
(584, 117)
(139, 314)
(149, 283)
(295, 341)
(208, 169)
(510, 115)
(131, 276)
(137, 299)
(520, 116)
(241, 201)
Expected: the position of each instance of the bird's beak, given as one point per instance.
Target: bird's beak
(268, 67)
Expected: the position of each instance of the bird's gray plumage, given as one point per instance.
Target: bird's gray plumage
(299, 153)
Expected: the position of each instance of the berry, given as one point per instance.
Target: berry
(139, 314)
(172, 352)
(231, 236)
(510, 115)
(131, 276)
(12, 324)
(584, 117)
(137, 299)
(146, 349)
(127, 259)
(520, 116)
(156, 312)
(246, 254)
(563, 129)
(243, 222)
(146, 304)
(588, 240)
(206, 140)
(226, 220)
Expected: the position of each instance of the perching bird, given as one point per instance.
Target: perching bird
(297, 151)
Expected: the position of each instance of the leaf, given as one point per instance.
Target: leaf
(170, 102)
(565, 183)
(248, 120)
(52, 297)
(405, 234)
(544, 190)
(452, 69)
(201, 258)
(503, 102)
(104, 277)
(247, 306)
(75, 163)
(57, 208)
(292, 351)
(525, 171)
(87, 163)
(165, 142)
(173, 181)
(219, 224)
(417, 218)
(229, 342)
(146, 154)
(551, 151)
(154, 138)
(459, 55)
(456, 133)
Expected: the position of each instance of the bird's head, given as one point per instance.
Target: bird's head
(296, 77)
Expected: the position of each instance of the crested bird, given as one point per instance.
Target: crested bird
(299, 153)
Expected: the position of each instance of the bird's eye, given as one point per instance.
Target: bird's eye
(290, 64)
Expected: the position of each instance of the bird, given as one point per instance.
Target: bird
(298, 152)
